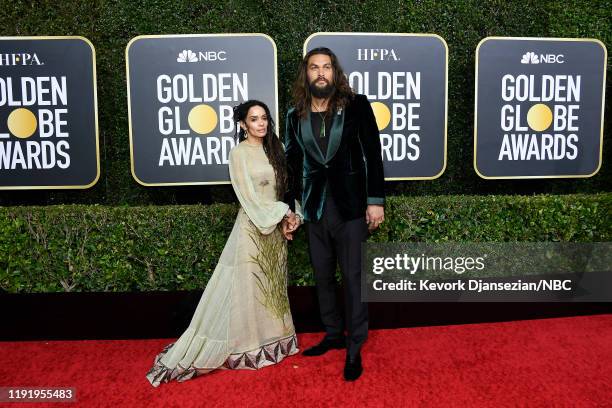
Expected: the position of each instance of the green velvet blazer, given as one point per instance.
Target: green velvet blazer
(351, 169)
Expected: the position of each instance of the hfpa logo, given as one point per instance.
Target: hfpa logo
(376, 54)
(190, 56)
(532, 58)
(20, 58)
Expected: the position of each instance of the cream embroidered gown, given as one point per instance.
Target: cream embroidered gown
(243, 319)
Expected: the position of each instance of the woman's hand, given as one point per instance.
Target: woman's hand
(290, 223)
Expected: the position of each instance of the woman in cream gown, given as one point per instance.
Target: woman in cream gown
(243, 319)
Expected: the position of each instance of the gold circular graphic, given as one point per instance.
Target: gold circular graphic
(202, 119)
(22, 123)
(382, 114)
(539, 117)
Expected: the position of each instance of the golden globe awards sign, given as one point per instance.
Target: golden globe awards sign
(48, 113)
(539, 107)
(181, 91)
(404, 76)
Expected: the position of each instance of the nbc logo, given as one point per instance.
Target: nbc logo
(530, 58)
(190, 56)
(187, 56)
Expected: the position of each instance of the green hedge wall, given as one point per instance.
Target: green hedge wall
(110, 24)
(121, 236)
(103, 248)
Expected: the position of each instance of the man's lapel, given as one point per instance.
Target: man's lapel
(309, 141)
(335, 135)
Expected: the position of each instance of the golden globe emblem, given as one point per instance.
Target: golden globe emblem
(539, 117)
(382, 114)
(22, 123)
(202, 119)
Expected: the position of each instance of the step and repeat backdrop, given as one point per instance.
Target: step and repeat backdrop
(404, 77)
(539, 107)
(181, 91)
(48, 113)
(538, 112)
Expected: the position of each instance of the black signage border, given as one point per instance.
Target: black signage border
(127, 73)
(331, 33)
(95, 95)
(603, 102)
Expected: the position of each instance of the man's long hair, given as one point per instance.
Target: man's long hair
(271, 144)
(341, 94)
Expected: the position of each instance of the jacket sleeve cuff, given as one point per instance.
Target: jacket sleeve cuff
(376, 201)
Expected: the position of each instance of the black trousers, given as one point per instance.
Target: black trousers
(332, 240)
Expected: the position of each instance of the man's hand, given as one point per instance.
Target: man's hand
(289, 225)
(375, 215)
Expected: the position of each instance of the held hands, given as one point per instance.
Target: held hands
(290, 223)
(375, 215)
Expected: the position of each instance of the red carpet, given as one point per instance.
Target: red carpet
(554, 362)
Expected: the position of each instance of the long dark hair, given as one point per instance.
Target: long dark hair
(271, 144)
(302, 96)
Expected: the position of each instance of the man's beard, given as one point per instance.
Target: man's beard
(321, 92)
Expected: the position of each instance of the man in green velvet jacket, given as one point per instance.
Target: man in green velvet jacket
(335, 171)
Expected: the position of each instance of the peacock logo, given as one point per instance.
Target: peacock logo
(187, 56)
(530, 58)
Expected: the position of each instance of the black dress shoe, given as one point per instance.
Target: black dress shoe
(352, 367)
(324, 346)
